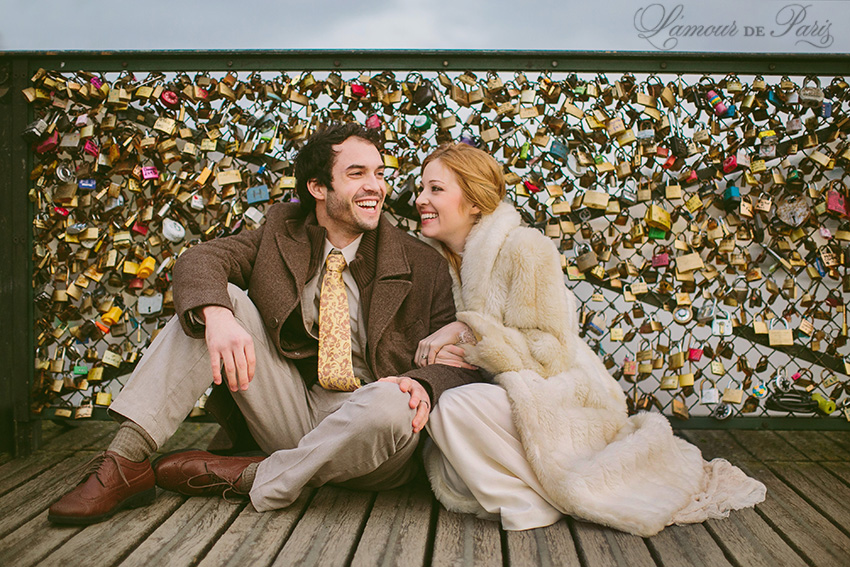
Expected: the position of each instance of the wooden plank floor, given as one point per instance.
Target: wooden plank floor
(804, 521)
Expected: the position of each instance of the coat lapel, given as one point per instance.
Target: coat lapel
(295, 243)
(383, 276)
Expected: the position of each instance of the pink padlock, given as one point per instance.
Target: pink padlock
(150, 172)
(49, 144)
(91, 148)
(714, 100)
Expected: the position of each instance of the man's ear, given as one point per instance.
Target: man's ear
(316, 189)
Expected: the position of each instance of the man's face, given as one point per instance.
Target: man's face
(354, 205)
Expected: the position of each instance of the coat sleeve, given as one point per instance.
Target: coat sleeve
(202, 273)
(437, 378)
(534, 324)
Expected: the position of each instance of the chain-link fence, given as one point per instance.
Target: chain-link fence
(701, 218)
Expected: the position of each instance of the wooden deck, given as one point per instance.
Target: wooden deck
(804, 521)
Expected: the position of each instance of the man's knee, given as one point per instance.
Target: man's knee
(388, 410)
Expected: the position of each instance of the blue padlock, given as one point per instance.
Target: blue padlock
(558, 149)
(87, 184)
(826, 109)
(257, 194)
(732, 197)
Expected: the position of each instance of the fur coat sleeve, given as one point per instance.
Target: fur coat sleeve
(514, 299)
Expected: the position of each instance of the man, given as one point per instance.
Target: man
(328, 399)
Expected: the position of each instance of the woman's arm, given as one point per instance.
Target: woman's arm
(535, 324)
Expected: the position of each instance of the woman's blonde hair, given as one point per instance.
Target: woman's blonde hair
(480, 177)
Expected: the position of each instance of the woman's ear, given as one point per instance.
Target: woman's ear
(316, 189)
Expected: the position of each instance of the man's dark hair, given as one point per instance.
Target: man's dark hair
(316, 159)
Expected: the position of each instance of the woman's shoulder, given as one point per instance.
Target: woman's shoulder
(531, 244)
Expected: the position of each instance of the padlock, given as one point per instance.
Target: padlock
(706, 313)
(811, 96)
(660, 257)
(597, 323)
(658, 217)
(708, 396)
(731, 197)
(780, 337)
(585, 258)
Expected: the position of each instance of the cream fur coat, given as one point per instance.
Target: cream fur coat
(595, 462)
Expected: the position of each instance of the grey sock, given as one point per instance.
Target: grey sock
(132, 442)
(246, 479)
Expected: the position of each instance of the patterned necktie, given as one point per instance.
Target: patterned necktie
(335, 371)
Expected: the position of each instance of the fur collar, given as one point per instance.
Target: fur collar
(481, 253)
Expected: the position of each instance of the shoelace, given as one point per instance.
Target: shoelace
(92, 466)
(227, 494)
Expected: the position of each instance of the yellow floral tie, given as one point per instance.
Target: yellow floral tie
(335, 371)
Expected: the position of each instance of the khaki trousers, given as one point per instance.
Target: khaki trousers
(362, 439)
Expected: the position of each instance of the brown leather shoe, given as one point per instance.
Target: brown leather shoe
(199, 473)
(115, 483)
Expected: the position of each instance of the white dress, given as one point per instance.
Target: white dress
(472, 425)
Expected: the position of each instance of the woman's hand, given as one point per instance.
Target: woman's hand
(432, 345)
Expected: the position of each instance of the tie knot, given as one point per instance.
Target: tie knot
(335, 262)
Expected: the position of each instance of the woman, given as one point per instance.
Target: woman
(551, 435)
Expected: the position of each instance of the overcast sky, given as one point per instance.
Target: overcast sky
(623, 25)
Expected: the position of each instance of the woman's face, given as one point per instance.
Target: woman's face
(446, 214)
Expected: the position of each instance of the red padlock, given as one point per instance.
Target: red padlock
(730, 164)
(49, 144)
(170, 99)
(694, 354)
(669, 163)
(358, 90)
(373, 122)
(531, 187)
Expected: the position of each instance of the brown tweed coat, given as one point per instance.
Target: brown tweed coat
(405, 289)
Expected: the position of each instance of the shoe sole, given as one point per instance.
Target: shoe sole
(144, 498)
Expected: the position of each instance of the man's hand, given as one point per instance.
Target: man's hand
(432, 345)
(229, 344)
(419, 399)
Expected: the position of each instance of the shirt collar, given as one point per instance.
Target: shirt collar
(349, 252)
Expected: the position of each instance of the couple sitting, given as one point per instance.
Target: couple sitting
(340, 341)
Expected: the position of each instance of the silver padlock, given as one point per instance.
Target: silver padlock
(710, 395)
(722, 323)
(149, 304)
(705, 314)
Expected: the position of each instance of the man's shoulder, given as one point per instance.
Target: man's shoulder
(416, 248)
(284, 211)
